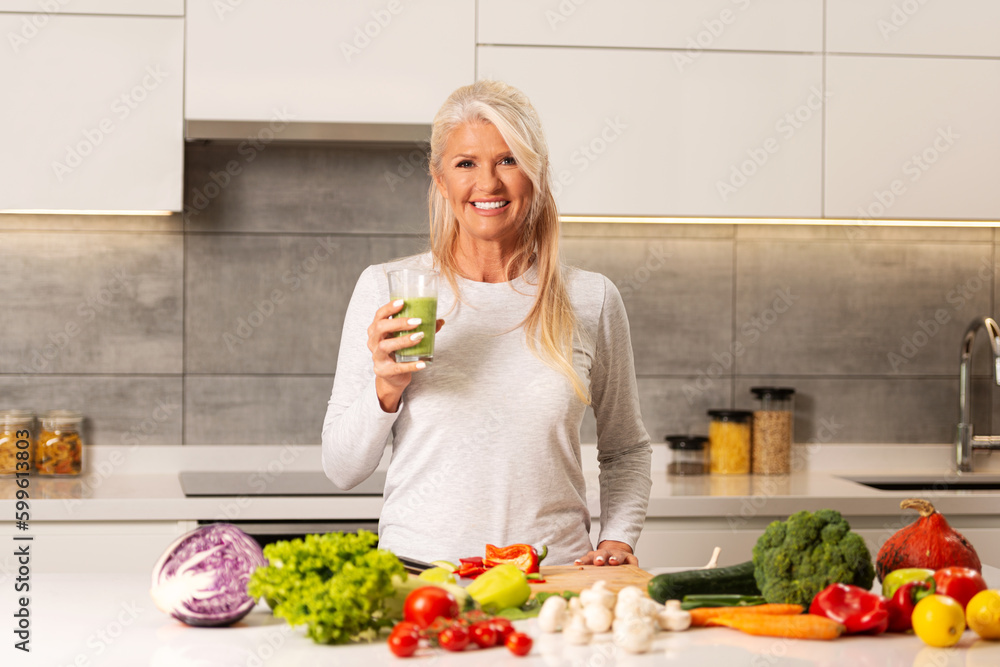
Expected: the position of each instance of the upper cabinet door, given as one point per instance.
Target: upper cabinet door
(371, 61)
(93, 119)
(916, 27)
(39, 9)
(631, 132)
(912, 138)
(691, 25)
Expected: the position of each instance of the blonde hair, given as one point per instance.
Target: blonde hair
(551, 323)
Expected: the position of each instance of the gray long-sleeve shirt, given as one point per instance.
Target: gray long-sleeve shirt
(486, 440)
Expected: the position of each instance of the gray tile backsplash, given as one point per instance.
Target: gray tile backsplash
(222, 325)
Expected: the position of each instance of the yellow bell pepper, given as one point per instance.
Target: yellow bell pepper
(500, 587)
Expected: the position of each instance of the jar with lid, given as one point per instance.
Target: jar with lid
(687, 454)
(60, 449)
(729, 442)
(772, 430)
(17, 441)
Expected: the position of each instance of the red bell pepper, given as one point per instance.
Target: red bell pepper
(860, 611)
(904, 600)
(524, 556)
(470, 568)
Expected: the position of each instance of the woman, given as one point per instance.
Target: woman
(485, 440)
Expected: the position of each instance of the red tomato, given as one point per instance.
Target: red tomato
(959, 583)
(426, 603)
(404, 639)
(483, 634)
(454, 638)
(503, 627)
(519, 643)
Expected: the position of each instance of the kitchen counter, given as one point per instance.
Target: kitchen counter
(110, 621)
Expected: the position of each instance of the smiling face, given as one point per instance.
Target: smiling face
(488, 192)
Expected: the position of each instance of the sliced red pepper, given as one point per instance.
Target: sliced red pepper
(524, 556)
(860, 611)
(475, 560)
(904, 600)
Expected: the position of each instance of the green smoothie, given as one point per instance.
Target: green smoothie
(424, 307)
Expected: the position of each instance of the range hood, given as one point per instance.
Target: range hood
(270, 130)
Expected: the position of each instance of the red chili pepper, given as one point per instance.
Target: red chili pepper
(860, 611)
(904, 600)
(524, 556)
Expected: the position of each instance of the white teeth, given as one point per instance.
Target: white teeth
(490, 204)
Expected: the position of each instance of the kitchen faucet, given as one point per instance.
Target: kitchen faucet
(965, 441)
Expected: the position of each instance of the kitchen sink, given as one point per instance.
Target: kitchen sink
(950, 481)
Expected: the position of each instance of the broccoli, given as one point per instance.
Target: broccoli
(796, 559)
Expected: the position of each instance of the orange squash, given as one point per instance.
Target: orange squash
(928, 542)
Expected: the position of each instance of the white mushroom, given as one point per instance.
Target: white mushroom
(552, 615)
(598, 617)
(577, 631)
(673, 617)
(634, 635)
(599, 594)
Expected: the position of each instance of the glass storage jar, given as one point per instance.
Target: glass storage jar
(687, 454)
(59, 450)
(17, 435)
(729, 442)
(771, 451)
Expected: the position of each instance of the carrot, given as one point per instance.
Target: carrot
(802, 626)
(702, 615)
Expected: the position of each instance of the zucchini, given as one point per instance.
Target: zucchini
(734, 579)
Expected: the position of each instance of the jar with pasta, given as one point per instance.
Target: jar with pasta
(17, 441)
(60, 449)
(729, 442)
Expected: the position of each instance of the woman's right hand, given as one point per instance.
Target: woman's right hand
(391, 377)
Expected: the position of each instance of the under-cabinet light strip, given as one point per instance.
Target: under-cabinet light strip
(854, 222)
(42, 211)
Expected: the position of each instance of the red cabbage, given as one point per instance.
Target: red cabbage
(202, 577)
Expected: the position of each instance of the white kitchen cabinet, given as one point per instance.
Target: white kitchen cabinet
(631, 134)
(377, 61)
(41, 8)
(90, 547)
(919, 27)
(94, 114)
(912, 138)
(691, 25)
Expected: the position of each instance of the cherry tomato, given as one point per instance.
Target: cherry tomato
(959, 583)
(483, 634)
(404, 639)
(426, 603)
(454, 638)
(503, 627)
(519, 643)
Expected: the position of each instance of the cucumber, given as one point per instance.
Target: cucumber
(734, 579)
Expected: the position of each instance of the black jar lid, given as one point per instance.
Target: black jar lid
(731, 415)
(689, 442)
(772, 392)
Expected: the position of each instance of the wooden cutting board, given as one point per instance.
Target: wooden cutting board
(560, 578)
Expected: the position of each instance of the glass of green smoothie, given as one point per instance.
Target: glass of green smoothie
(418, 288)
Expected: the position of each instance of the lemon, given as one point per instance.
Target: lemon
(445, 565)
(939, 621)
(437, 575)
(983, 614)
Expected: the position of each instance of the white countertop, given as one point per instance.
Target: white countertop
(132, 484)
(110, 621)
